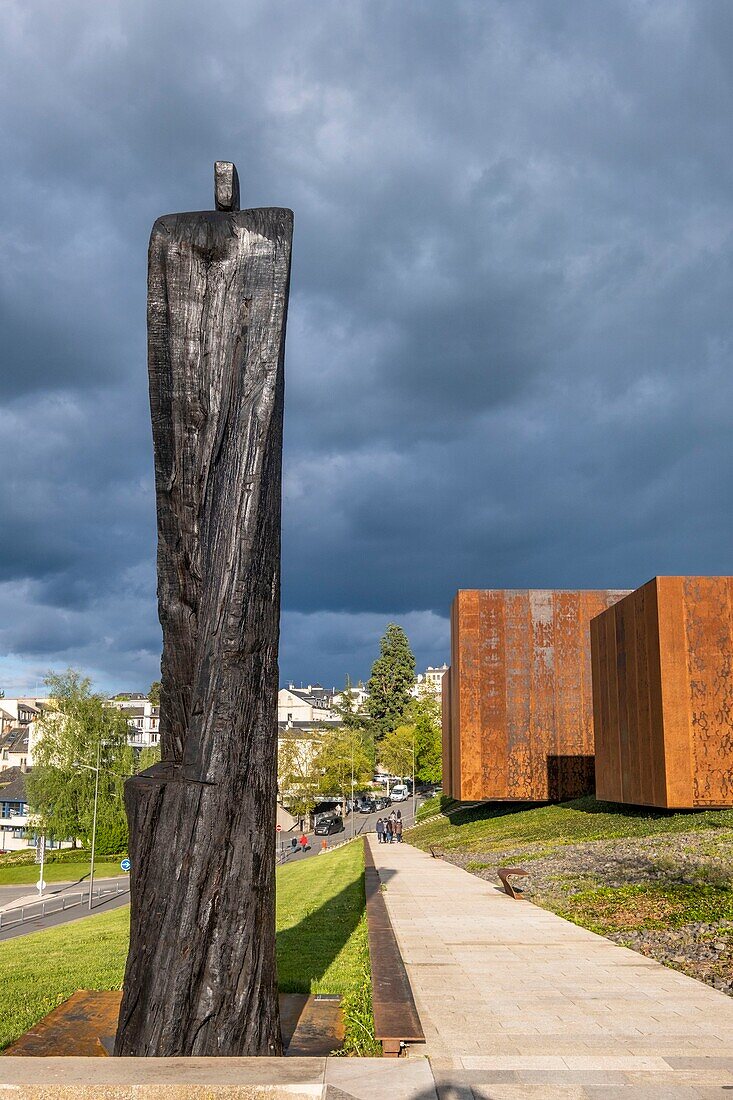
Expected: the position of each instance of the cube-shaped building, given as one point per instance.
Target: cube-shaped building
(663, 694)
(517, 701)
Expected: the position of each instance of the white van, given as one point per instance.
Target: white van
(399, 793)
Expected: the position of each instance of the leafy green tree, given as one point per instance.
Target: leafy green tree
(344, 755)
(148, 756)
(396, 750)
(112, 835)
(154, 693)
(425, 714)
(298, 774)
(393, 675)
(421, 733)
(74, 732)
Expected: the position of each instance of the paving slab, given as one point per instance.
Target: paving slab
(162, 1078)
(516, 1001)
(75, 1078)
(380, 1079)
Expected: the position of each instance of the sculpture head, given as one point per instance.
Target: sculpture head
(226, 186)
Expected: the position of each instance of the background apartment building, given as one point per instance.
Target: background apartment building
(143, 718)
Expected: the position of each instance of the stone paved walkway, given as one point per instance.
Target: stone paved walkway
(517, 1002)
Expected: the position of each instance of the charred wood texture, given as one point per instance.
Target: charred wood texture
(201, 974)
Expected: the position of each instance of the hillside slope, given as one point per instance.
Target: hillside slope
(658, 881)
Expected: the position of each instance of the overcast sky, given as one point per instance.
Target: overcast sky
(509, 348)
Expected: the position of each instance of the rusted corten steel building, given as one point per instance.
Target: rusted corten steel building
(663, 694)
(517, 702)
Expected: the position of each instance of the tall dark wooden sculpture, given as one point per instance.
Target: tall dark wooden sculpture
(201, 977)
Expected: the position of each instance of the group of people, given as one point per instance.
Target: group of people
(389, 829)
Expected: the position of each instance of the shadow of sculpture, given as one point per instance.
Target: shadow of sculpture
(307, 949)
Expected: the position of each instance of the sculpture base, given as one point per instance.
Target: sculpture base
(84, 1026)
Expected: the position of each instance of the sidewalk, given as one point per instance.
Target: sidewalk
(216, 1079)
(518, 1002)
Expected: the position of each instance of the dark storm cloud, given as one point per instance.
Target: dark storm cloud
(510, 336)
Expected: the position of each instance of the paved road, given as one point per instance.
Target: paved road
(356, 824)
(10, 894)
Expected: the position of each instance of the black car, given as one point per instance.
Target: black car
(329, 823)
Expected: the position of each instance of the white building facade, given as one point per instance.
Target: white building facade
(143, 718)
(311, 704)
(431, 680)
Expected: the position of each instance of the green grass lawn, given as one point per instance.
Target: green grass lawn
(321, 946)
(499, 825)
(41, 970)
(61, 865)
(656, 906)
(432, 806)
(57, 872)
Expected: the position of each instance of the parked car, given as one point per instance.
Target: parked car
(370, 803)
(400, 793)
(329, 823)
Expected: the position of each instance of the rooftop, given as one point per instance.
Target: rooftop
(12, 785)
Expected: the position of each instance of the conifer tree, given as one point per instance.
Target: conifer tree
(392, 678)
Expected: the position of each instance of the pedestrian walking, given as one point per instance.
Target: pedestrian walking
(380, 830)
(398, 829)
(393, 817)
(399, 815)
(388, 831)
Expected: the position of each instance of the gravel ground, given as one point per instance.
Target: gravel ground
(702, 859)
(704, 951)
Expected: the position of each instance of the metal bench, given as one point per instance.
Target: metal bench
(396, 1021)
(505, 873)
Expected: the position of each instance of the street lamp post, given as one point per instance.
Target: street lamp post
(42, 846)
(94, 822)
(96, 769)
(353, 814)
(414, 791)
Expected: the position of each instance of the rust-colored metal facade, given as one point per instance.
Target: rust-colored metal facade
(663, 694)
(447, 760)
(517, 702)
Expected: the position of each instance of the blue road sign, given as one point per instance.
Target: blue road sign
(125, 865)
